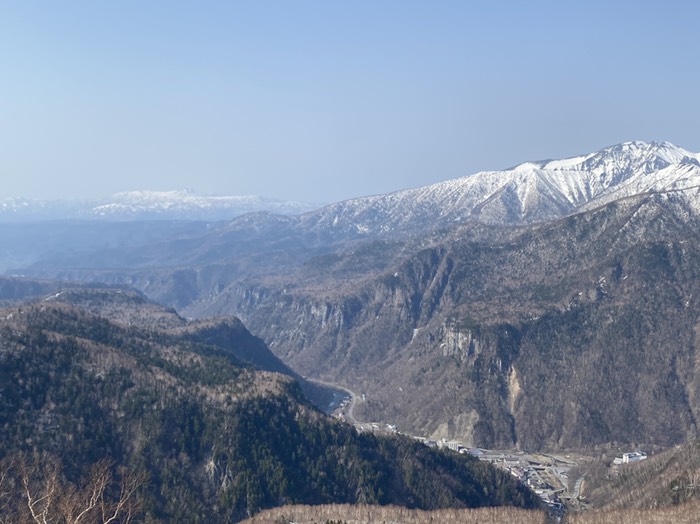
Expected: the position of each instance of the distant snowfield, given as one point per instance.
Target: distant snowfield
(131, 205)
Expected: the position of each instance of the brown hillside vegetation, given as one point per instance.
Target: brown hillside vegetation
(218, 440)
(684, 514)
(361, 514)
(665, 479)
(347, 514)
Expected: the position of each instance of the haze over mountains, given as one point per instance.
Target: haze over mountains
(530, 192)
(145, 205)
(551, 305)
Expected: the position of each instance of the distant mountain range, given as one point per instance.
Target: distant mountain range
(551, 305)
(527, 193)
(530, 192)
(147, 205)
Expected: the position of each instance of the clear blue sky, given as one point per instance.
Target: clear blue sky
(328, 100)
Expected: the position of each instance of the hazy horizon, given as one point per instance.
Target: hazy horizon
(321, 102)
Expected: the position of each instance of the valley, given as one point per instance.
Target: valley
(461, 324)
(548, 310)
(200, 413)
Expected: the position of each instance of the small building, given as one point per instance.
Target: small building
(452, 444)
(635, 456)
(629, 458)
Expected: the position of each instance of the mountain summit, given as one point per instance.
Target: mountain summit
(530, 192)
(621, 159)
(624, 169)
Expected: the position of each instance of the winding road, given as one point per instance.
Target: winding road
(350, 410)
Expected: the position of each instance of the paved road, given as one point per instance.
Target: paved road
(350, 410)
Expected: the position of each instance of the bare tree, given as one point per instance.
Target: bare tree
(39, 479)
(6, 489)
(46, 497)
(129, 503)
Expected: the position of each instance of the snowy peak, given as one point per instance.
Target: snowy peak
(620, 162)
(535, 191)
(186, 203)
(584, 178)
(620, 170)
(528, 193)
(629, 157)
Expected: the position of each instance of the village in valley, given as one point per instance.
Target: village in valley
(546, 474)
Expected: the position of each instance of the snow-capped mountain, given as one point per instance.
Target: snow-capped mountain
(530, 192)
(367, 292)
(185, 204)
(133, 205)
(527, 193)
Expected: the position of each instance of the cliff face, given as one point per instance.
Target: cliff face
(480, 308)
(569, 334)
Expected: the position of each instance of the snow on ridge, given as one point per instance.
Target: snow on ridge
(187, 203)
(529, 192)
(567, 163)
(180, 197)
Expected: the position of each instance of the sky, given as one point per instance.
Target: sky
(321, 101)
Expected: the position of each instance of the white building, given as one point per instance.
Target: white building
(629, 458)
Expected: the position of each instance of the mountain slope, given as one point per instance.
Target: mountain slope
(227, 334)
(532, 192)
(217, 439)
(528, 193)
(667, 478)
(503, 336)
(550, 305)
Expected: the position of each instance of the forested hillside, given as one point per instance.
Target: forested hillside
(200, 435)
(668, 478)
(550, 306)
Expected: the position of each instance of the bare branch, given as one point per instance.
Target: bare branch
(33, 489)
(40, 494)
(6, 494)
(93, 492)
(127, 503)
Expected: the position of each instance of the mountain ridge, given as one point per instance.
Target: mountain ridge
(212, 439)
(401, 291)
(146, 204)
(528, 193)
